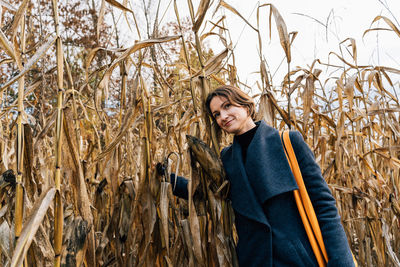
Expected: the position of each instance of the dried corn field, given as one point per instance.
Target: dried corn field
(90, 130)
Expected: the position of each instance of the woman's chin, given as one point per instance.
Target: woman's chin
(227, 130)
(231, 130)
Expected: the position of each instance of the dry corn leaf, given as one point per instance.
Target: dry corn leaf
(7, 46)
(164, 213)
(31, 226)
(119, 5)
(75, 235)
(83, 199)
(296, 83)
(389, 249)
(137, 46)
(8, 6)
(191, 10)
(17, 18)
(377, 80)
(266, 110)
(308, 94)
(387, 77)
(372, 112)
(5, 236)
(264, 75)
(282, 30)
(388, 22)
(389, 69)
(234, 11)
(212, 66)
(149, 217)
(188, 241)
(200, 14)
(129, 119)
(346, 62)
(353, 46)
(92, 54)
(31, 62)
(100, 18)
(194, 225)
(349, 90)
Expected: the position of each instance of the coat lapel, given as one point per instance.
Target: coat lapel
(267, 168)
(265, 174)
(242, 194)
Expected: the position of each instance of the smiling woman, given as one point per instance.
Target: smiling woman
(268, 224)
(231, 109)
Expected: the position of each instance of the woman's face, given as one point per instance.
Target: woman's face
(231, 118)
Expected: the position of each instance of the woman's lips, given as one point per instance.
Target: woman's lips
(228, 123)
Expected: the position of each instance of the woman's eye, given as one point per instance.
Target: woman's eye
(227, 106)
(216, 115)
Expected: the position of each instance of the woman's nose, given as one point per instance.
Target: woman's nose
(223, 115)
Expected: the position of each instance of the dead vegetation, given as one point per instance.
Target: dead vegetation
(84, 132)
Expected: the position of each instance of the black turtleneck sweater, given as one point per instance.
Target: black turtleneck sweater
(244, 140)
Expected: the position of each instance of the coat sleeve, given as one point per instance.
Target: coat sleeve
(335, 240)
(179, 186)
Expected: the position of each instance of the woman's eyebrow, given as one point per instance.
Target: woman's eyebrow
(223, 103)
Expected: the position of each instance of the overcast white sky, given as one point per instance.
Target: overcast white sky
(347, 19)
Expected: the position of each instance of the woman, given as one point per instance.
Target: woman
(267, 220)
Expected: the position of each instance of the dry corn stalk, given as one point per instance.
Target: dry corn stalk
(19, 203)
(58, 206)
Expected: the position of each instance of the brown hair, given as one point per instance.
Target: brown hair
(235, 96)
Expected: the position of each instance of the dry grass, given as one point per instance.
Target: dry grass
(89, 140)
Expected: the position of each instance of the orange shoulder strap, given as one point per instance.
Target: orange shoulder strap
(304, 204)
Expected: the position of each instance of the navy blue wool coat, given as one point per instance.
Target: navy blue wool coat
(267, 220)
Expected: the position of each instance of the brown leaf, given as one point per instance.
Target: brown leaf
(17, 18)
(296, 83)
(5, 233)
(119, 5)
(282, 30)
(31, 226)
(137, 46)
(129, 120)
(31, 62)
(349, 90)
(200, 14)
(308, 94)
(266, 110)
(212, 66)
(6, 45)
(354, 47)
(100, 18)
(188, 241)
(8, 6)
(195, 233)
(388, 21)
(76, 233)
(234, 11)
(164, 213)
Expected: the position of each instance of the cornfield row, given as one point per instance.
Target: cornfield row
(81, 142)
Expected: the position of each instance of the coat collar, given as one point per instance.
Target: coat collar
(265, 174)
